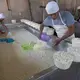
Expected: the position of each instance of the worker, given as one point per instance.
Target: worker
(61, 21)
(3, 28)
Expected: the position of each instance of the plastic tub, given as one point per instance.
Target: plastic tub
(13, 21)
(50, 31)
(76, 42)
(62, 60)
(75, 51)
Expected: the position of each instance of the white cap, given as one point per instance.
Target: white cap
(2, 16)
(52, 7)
(78, 7)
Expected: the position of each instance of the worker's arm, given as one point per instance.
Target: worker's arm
(68, 33)
(41, 30)
(2, 23)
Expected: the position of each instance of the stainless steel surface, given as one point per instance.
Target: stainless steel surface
(42, 73)
(17, 64)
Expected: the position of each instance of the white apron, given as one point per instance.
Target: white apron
(60, 30)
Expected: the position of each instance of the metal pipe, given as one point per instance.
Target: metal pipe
(29, 3)
(7, 2)
(9, 8)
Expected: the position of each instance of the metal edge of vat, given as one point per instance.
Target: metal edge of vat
(16, 25)
(32, 30)
(43, 73)
(53, 73)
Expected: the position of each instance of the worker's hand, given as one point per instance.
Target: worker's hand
(39, 37)
(57, 41)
